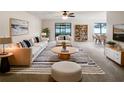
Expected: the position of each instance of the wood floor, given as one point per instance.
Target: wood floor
(113, 72)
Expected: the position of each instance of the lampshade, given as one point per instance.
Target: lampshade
(43, 34)
(5, 40)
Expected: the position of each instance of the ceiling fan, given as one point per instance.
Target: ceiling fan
(66, 14)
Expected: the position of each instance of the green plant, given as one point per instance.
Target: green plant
(111, 43)
(47, 31)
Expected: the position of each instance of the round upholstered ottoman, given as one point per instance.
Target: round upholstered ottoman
(66, 71)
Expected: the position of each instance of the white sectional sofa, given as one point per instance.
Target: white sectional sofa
(38, 48)
(63, 38)
(25, 56)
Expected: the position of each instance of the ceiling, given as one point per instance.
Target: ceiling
(58, 14)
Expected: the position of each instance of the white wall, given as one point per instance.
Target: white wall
(34, 24)
(114, 17)
(85, 19)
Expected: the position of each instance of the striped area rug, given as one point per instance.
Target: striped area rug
(45, 68)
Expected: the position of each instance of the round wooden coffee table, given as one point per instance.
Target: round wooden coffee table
(64, 55)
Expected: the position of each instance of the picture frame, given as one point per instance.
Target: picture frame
(18, 27)
(118, 32)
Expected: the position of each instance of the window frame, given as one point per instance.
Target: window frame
(63, 26)
(100, 28)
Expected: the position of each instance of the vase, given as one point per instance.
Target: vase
(64, 47)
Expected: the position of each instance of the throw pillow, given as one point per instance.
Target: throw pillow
(27, 43)
(23, 44)
(31, 42)
(60, 38)
(68, 37)
(64, 38)
(18, 44)
(37, 39)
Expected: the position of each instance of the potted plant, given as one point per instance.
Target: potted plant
(111, 43)
(47, 31)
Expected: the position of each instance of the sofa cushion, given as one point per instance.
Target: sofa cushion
(68, 37)
(31, 42)
(23, 44)
(34, 39)
(37, 39)
(60, 37)
(18, 44)
(40, 39)
(41, 44)
(35, 49)
(63, 37)
(27, 43)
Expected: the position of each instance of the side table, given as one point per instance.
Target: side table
(4, 63)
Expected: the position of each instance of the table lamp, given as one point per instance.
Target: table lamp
(4, 40)
(43, 34)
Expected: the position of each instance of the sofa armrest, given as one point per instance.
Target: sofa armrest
(21, 56)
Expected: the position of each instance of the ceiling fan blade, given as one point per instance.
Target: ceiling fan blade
(71, 16)
(71, 13)
(66, 13)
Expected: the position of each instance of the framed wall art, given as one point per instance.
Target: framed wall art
(81, 33)
(18, 27)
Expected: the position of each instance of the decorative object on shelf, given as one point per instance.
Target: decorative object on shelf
(5, 40)
(18, 27)
(46, 31)
(111, 44)
(81, 33)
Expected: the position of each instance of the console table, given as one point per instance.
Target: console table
(115, 55)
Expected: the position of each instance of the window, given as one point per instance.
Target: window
(62, 29)
(100, 28)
